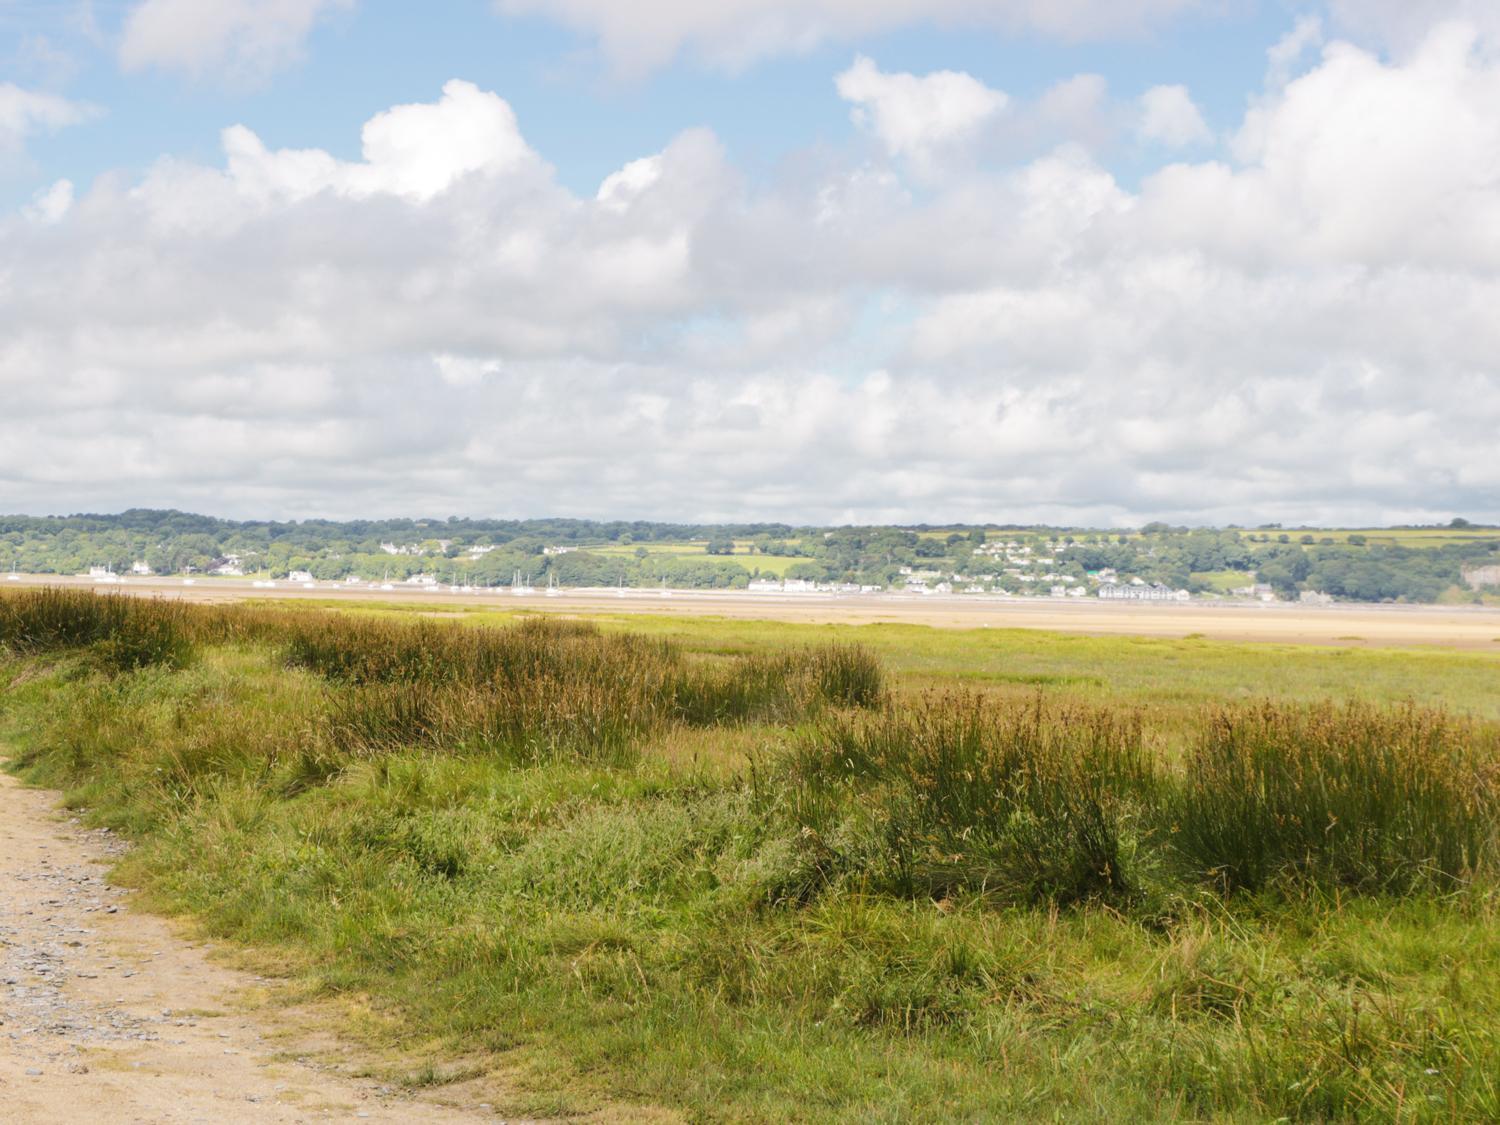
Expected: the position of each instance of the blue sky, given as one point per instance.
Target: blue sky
(1103, 262)
(574, 108)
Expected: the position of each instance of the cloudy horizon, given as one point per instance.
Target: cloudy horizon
(982, 261)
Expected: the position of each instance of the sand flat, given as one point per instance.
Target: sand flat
(1472, 628)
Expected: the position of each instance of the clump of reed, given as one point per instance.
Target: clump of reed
(1029, 803)
(368, 651)
(121, 632)
(777, 686)
(545, 688)
(1352, 796)
(1037, 802)
(846, 675)
(542, 687)
(528, 722)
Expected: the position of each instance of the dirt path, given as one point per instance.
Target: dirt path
(109, 1015)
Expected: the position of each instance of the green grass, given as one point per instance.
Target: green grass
(1408, 536)
(1013, 877)
(1171, 677)
(1223, 581)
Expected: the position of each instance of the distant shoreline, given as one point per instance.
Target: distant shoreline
(1341, 624)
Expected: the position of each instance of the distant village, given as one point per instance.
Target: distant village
(1457, 562)
(1036, 570)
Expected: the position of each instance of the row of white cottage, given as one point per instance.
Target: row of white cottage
(1141, 592)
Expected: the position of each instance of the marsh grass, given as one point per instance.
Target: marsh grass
(120, 632)
(539, 688)
(950, 905)
(1354, 796)
(1054, 803)
(1027, 802)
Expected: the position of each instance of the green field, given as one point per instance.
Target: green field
(1223, 581)
(1411, 537)
(762, 871)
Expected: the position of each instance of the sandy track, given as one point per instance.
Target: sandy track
(1346, 625)
(109, 1015)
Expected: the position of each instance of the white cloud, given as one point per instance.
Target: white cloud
(619, 189)
(1288, 51)
(1403, 25)
(50, 204)
(1364, 161)
(25, 113)
(464, 371)
(416, 151)
(640, 36)
(241, 39)
(1169, 117)
(916, 117)
(1302, 329)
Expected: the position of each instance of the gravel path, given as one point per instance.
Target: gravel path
(109, 1015)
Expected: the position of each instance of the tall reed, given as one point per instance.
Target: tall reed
(539, 688)
(1348, 795)
(123, 632)
(1031, 803)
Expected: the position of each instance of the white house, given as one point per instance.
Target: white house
(1155, 592)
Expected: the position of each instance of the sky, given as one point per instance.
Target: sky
(1083, 262)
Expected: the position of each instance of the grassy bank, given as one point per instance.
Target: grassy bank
(747, 878)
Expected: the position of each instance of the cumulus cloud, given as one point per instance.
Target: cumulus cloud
(25, 113)
(621, 188)
(1170, 117)
(242, 39)
(50, 204)
(1289, 51)
(416, 151)
(1301, 328)
(944, 123)
(1403, 25)
(916, 117)
(641, 36)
